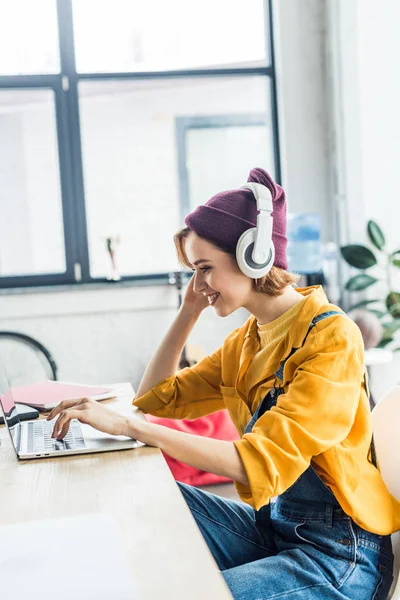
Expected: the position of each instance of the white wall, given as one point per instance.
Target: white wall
(106, 335)
(301, 70)
(109, 334)
(379, 44)
(364, 42)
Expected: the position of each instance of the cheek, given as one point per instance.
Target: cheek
(234, 288)
(242, 284)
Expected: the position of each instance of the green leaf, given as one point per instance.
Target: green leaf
(360, 282)
(376, 235)
(358, 256)
(364, 303)
(390, 329)
(393, 304)
(395, 258)
(384, 343)
(378, 313)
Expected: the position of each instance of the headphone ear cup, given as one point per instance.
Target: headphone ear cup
(244, 251)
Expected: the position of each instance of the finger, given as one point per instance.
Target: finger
(58, 425)
(64, 430)
(65, 404)
(60, 407)
(64, 419)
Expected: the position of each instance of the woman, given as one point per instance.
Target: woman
(316, 516)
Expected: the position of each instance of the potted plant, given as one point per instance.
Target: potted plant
(386, 306)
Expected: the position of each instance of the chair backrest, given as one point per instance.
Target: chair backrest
(386, 427)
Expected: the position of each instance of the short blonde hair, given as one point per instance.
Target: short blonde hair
(273, 283)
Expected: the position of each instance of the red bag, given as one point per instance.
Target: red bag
(217, 425)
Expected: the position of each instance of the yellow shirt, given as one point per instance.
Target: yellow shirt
(322, 417)
(270, 335)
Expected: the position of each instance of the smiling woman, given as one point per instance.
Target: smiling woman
(292, 380)
(316, 515)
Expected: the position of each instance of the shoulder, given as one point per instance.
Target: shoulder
(335, 329)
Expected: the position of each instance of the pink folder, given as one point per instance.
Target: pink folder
(7, 402)
(45, 395)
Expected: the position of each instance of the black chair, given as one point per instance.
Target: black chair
(25, 359)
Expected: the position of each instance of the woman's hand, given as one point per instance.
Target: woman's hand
(194, 302)
(86, 411)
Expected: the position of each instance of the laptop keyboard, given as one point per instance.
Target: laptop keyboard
(40, 440)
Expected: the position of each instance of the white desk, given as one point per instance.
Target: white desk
(166, 551)
(377, 356)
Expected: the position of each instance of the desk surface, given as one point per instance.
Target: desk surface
(165, 549)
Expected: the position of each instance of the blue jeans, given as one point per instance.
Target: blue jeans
(301, 546)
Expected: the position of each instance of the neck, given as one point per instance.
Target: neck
(268, 308)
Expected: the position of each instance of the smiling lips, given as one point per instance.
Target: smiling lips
(212, 298)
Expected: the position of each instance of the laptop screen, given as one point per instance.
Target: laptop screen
(10, 415)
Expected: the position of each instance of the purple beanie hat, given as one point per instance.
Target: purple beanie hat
(227, 215)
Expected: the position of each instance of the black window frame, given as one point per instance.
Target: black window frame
(65, 87)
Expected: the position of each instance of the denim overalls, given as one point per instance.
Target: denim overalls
(301, 545)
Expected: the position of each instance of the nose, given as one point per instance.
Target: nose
(198, 284)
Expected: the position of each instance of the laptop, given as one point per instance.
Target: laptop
(32, 439)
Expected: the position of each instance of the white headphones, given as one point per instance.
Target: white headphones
(255, 252)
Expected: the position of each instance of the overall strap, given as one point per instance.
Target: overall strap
(317, 319)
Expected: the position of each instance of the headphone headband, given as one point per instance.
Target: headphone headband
(261, 193)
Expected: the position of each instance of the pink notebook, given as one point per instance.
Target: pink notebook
(45, 395)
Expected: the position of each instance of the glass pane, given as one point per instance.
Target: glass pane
(236, 148)
(159, 35)
(28, 37)
(130, 158)
(31, 228)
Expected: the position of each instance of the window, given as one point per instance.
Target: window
(31, 236)
(157, 35)
(28, 37)
(236, 143)
(122, 142)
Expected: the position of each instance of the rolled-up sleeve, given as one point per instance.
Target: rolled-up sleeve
(192, 392)
(315, 414)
